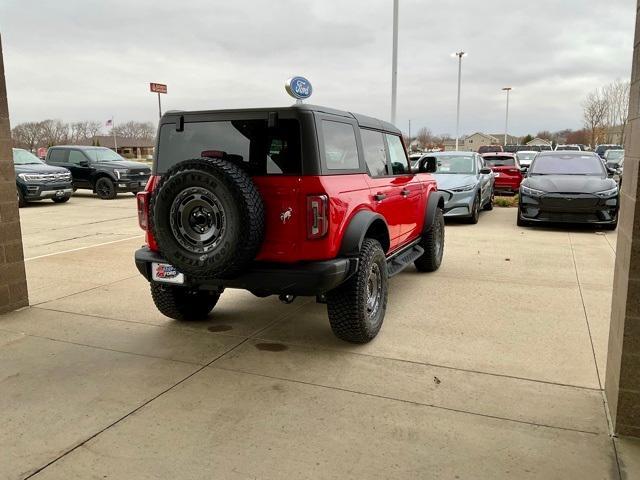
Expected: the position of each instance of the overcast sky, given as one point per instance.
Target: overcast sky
(83, 59)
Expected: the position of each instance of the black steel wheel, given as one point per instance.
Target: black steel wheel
(357, 307)
(208, 218)
(105, 188)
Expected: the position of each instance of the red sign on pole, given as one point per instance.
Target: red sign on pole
(158, 87)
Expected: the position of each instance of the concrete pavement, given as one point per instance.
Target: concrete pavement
(490, 368)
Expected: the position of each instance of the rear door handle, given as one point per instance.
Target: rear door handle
(379, 196)
(405, 193)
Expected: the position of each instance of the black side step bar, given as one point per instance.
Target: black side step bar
(398, 262)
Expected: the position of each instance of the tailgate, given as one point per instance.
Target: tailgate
(284, 217)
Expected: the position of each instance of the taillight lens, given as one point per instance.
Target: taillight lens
(317, 216)
(142, 199)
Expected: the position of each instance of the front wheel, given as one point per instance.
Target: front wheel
(475, 211)
(357, 307)
(433, 244)
(21, 201)
(106, 189)
(182, 303)
(521, 222)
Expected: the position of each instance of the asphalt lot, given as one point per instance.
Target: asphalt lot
(490, 368)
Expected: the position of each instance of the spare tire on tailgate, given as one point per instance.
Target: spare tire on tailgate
(207, 217)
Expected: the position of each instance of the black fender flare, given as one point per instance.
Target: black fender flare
(435, 200)
(102, 173)
(358, 227)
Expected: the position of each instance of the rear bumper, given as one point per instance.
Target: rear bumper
(304, 279)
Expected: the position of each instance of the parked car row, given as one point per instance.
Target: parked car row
(553, 186)
(71, 167)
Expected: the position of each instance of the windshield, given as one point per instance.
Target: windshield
(103, 155)
(526, 156)
(500, 161)
(614, 155)
(456, 164)
(23, 157)
(567, 165)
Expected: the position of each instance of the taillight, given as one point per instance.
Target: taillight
(317, 216)
(143, 198)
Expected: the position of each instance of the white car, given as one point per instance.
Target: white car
(525, 157)
(569, 147)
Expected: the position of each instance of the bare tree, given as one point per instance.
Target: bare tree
(616, 95)
(595, 115)
(27, 135)
(81, 132)
(424, 136)
(142, 130)
(54, 132)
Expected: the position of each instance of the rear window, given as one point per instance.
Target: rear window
(490, 148)
(263, 150)
(500, 161)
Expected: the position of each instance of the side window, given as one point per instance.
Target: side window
(57, 155)
(480, 163)
(374, 153)
(398, 157)
(340, 150)
(76, 156)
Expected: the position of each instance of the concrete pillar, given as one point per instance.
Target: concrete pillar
(622, 385)
(13, 284)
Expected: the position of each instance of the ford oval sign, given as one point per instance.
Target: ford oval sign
(299, 88)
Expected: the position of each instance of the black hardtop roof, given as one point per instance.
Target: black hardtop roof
(363, 120)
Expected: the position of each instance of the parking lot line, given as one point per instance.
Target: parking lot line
(82, 248)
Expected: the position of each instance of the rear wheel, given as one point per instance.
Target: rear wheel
(182, 303)
(433, 244)
(105, 188)
(489, 205)
(357, 307)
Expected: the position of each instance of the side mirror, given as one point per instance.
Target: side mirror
(485, 171)
(524, 170)
(611, 171)
(428, 165)
(84, 163)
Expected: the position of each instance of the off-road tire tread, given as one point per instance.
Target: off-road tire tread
(176, 303)
(428, 262)
(346, 316)
(249, 202)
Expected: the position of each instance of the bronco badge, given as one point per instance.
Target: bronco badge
(286, 215)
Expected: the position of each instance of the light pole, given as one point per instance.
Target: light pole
(459, 54)
(506, 122)
(394, 62)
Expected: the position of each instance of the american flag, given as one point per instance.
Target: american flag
(109, 122)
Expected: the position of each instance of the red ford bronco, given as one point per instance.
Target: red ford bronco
(303, 200)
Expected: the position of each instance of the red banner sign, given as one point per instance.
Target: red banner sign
(158, 87)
